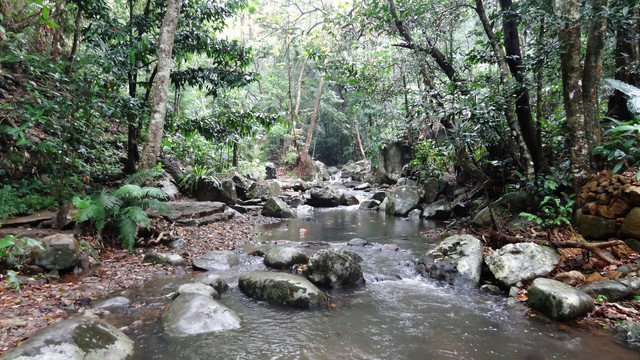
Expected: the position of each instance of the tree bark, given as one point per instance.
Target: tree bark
(153, 144)
(76, 40)
(593, 70)
(569, 32)
(364, 156)
(295, 111)
(522, 104)
(314, 114)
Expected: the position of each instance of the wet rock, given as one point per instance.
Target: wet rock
(631, 224)
(491, 289)
(300, 185)
(440, 209)
(215, 281)
(415, 214)
(369, 204)
(164, 258)
(363, 186)
(281, 257)
(594, 227)
(197, 288)
(275, 207)
(519, 262)
(356, 171)
(391, 160)
(114, 302)
(456, 260)
(516, 202)
(571, 278)
(191, 314)
(432, 188)
(216, 260)
(243, 185)
(177, 243)
(61, 251)
(630, 331)
(379, 196)
(614, 290)
(326, 197)
(401, 200)
(358, 242)
(557, 300)
(389, 247)
(265, 190)
(213, 190)
(283, 289)
(333, 268)
(78, 338)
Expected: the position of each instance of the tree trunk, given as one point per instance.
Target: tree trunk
(153, 144)
(314, 114)
(516, 135)
(523, 106)
(76, 40)
(295, 111)
(364, 156)
(569, 35)
(593, 70)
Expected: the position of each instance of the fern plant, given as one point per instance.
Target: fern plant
(125, 208)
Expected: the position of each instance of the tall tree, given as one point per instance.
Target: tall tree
(153, 144)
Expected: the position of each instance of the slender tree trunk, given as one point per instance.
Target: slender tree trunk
(569, 33)
(76, 40)
(522, 104)
(364, 156)
(593, 70)
(133, 154)
(296, 109)
(153, 144)
(516, 135)
(539, 78)
(314, 114)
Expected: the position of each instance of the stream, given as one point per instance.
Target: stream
(396, 315)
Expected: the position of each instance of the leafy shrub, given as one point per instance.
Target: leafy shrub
(24, 198)
(11, 247)
(430, 159)
(124, 208)
(197, 174)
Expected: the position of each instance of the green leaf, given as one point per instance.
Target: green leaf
(128, 231)
(617, 168)
(137, 215)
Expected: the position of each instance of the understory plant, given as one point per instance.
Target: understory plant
(11, 248)
(197, 174)
(125, 208)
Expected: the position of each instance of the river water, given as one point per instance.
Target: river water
(396, 315)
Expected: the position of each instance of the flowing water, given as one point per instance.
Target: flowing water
(396, 315)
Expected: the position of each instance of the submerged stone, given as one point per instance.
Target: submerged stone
(216, 260)
(335, 268)
(281, 288)
(282, 257)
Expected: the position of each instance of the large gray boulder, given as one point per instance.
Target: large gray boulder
(243, 185)
(369, 204)
(185, 210)
(401, 200)
(276, 207)
(78, 338)
(440, 209)
(594, 227)
(456, 260)
(61, 251)
(283, 257)
(266, 190)
(557, 300)
(614, 290)
(192, 313)
(515, 202)
(391, 159)
(216, 260)
(334, 268)
(213, 190)
(522, 261)
(326, 197)
(281, 288)
(631, 224)
(356, 171)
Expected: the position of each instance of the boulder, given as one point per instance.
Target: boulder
(571, 278)
(356, 171)
(197, 288)
(216, 260)
(630, 331)
(594, 227)
(432, 188)
(78, 338)
(401, 200)
(391, 159)
(243, 185)
(209, 189)
(169, 188)
(275, 207)
(182, 210)
(614, 290)
(522, 261)
(192, 313)
(515, 202)
(325, 197)
(61, 251)
(456, 260)
(164, 258)
(265, 190)
(282, 257)
(270, 172)
(557, 300)
(631, 224)
(369, 204)
(283, 289)
(440, 209)
(213, 280)
(300, 185)
(363, 186)
(333, 268)
(379, 196)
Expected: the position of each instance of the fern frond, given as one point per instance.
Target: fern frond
(128, 231)
(129, 191)
(141, 176)
(86, 213)
(155, 205)
(137, 215)
(153, 192)
(109, 202)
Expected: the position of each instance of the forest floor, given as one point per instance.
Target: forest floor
(41, 301)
